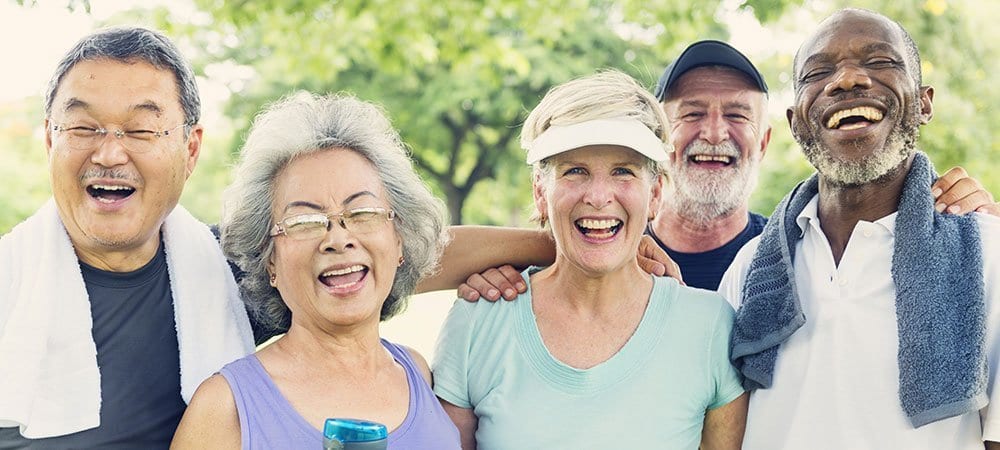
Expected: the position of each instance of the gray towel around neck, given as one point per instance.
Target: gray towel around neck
(937, 269)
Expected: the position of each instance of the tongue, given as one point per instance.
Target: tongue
(340, 280)
(600, 233)
(110, 195)
(855, 125)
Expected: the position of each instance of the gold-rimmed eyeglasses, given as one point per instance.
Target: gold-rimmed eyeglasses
(314, 225)
(140, 140)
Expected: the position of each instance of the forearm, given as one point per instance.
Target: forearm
(473, 249)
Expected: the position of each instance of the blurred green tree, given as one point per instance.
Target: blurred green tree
(458, 78)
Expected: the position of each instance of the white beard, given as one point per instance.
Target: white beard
(703, 196)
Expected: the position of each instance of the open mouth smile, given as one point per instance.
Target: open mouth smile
(109, 193)
(714, 160)
(854, 118)
(344, 278)
(599, 229)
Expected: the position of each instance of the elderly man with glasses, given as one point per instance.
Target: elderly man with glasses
(115, 303)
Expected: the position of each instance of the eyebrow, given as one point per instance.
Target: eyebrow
(148, 105)
(867, 50)
(742, 106)
(314, 206)
(614, 164)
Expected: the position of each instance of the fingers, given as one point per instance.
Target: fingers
(493, 283)
(674, 271)
(946, 181)
(652, 266)
(655, 260)
(963, 196)
(991, 209)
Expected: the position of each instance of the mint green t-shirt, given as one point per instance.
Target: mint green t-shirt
(653, 393)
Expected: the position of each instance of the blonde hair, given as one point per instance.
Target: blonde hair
(603, 95)
(606, 94)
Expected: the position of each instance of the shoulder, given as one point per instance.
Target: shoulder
(989, 225)
(419, 362)
(731, 285)
(211, 419)
(696, 304)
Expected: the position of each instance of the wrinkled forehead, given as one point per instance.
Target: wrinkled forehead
(850, 33)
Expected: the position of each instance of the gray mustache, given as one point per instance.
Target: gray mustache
(114, 174)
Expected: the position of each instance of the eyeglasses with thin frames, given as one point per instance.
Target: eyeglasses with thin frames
(314, 225)
(88, 138)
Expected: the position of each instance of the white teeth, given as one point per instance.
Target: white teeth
(110, 187)
(344, 271)
(868, 112)
(712, 158)
(593, 224)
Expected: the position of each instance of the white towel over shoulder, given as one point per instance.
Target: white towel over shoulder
(49, 380)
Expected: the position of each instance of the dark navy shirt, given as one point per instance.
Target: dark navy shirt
(138, 358)
(704, 270)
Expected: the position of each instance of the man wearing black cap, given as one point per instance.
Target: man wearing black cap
(716, 102)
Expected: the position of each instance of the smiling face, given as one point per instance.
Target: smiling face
(597, 200)
(717, 125)
(111, 199)
(858, 106)
(342, 277)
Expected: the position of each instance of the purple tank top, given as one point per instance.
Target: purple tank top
(268, 421)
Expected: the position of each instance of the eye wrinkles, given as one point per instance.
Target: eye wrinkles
(875, 55)
(319, 208)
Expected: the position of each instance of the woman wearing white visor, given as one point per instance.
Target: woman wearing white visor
(597, 353)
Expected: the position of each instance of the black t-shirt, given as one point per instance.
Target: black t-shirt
(704, 270)
(138, 358)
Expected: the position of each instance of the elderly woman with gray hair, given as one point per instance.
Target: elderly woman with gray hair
(334, 229)
(597, 353)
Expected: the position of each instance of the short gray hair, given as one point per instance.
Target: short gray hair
(130, 44)
(303, 124)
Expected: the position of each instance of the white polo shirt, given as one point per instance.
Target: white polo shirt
(836, 379)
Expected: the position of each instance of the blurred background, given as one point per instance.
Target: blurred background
(459, 77)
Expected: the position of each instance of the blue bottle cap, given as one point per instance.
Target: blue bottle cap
(354, 430)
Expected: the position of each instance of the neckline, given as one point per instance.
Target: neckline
(608, 373)
(394, 434)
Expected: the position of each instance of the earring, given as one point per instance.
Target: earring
(401, 261)
(274, 280)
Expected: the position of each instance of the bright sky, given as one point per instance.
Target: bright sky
(44, 32)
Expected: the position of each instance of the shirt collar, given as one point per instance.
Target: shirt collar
(810, 217)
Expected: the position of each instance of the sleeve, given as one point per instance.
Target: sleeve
(990, 232)
(731, 286)
(728, 384)
(451, 356)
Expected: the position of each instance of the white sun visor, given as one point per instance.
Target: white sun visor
(622, 131)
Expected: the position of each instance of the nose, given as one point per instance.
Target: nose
(714, 128)
(848, 78)
(110, 151)
(337, 238)
(599, 192)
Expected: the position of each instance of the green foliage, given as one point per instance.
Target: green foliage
(71, 5)
(23, 166)
(458, 78)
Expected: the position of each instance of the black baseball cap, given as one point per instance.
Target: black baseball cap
(707, 53)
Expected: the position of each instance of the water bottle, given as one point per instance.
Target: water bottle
(354, 434)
